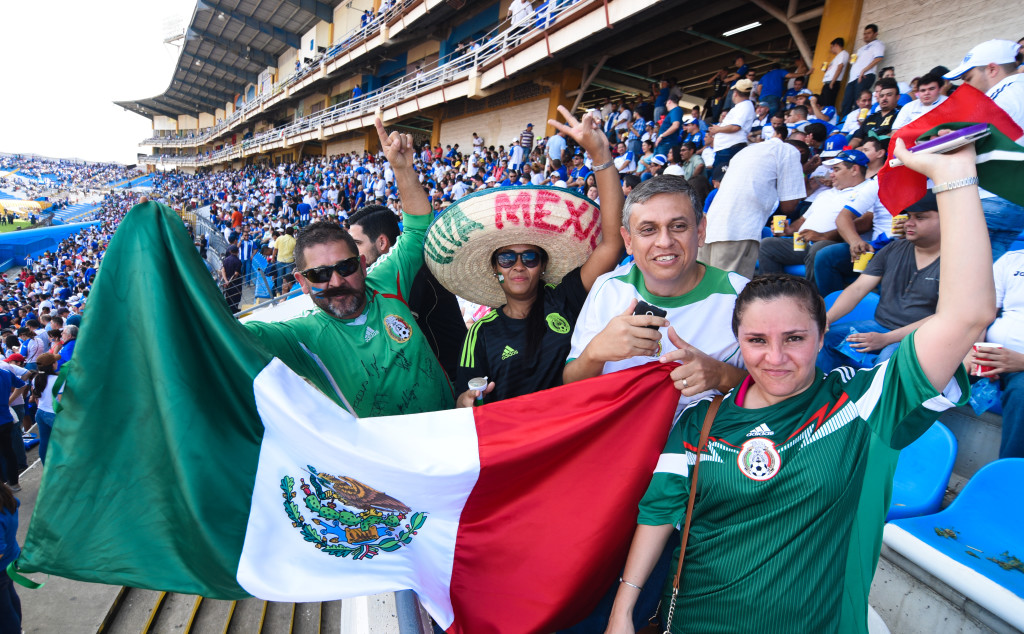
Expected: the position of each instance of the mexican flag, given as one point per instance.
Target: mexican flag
(1000, 158)
(187, 459)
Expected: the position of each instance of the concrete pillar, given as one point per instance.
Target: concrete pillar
(566, 80)
(435, 132)
(840, 19)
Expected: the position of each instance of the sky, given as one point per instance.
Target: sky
(64, 63)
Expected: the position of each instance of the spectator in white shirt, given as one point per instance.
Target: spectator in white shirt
(834, 73)
(862, 67)
(991, 67)
(762, 178)
(929, 95)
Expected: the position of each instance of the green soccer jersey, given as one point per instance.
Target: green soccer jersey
(380, 361)
(778, 493)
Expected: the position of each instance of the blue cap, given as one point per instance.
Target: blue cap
(659, 159)
(849, 156)
(829, 112)
(833, 146)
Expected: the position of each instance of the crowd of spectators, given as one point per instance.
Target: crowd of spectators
(778, 177)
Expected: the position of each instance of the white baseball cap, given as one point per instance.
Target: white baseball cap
(990, 52)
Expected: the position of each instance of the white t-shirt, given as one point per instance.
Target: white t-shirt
(864, 56)
(742, 114)
(860, 199)
(1009, 95)
(913, 110)
(46, 398)
(1008, 328)
(759, 176)
(841, 58)
(702, 317)
(520, 10)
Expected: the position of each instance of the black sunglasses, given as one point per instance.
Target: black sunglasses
(322, 274)
(507, 259)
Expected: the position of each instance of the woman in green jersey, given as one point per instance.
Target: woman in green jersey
(534, 254)
(781, 537)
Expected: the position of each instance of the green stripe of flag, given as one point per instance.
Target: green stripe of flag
(999, 158)
(163, 377)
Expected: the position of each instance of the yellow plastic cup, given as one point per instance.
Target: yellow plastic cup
(779, 224)
(862, 262)
(799, 244)
(897, 224)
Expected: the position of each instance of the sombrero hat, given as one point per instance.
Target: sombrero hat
(461, 240)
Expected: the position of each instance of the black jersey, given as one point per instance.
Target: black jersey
(495, 345)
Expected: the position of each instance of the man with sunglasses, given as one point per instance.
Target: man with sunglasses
(363, 346)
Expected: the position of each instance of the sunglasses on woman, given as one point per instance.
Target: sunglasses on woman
(322, 274)
(507, 259)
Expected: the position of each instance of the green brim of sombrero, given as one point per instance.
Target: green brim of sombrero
(461, 240)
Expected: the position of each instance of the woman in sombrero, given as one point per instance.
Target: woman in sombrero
(532, 253)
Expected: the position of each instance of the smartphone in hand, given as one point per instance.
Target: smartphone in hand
(643, 308)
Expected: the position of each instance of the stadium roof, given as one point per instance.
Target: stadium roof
(226, 45)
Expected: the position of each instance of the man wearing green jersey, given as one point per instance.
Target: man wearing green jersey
(362, 346)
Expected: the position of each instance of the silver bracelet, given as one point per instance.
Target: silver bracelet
(957, 184)
(603, 166)
(631, 585)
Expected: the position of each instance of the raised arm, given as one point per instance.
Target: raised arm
(399, 150)
(587, 132)
(967, 298)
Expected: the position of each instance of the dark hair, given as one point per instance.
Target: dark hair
(775, 286)
(878, 143)
(840, 41)
(816, 131)
(782, 132)
(887, 83)
(7, 500)
(536, 322)
(690, 145)
(887, 68)
(631, 180)
(663, 184)
(802, 109)
(320, 233)
(805, 150)
(873, 27)
(929, 78)
(375, 220)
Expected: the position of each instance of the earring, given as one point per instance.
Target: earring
(501, 278)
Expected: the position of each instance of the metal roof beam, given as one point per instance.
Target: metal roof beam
(287, 37)
(205, 92)
(321, 10)
(244, 75)
(139, 109)
(189, 107)
(259, 56)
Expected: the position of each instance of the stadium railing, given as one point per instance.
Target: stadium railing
(491, 48)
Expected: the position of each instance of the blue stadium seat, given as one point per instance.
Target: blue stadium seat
(965, 544)
(766, 232)
(796, 269)
(922, 474)
(863, 311)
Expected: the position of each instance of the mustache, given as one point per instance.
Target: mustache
(336, 292)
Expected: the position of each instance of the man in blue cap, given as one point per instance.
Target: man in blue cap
(850, 191)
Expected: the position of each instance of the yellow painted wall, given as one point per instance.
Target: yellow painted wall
(219, 114)
(187, 122)
(206, 120)
(840, 19)
(418, 52)
(346, 17)
(286, 64)
(161, 122)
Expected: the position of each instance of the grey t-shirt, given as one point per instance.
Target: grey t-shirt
(907, 294)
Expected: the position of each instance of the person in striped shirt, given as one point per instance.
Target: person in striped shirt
(796, 476)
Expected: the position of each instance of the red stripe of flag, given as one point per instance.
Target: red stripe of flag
(546, 529)
(900, 187)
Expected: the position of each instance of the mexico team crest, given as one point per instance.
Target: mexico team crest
(397, 328)
(758, 459)
(349, 517)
